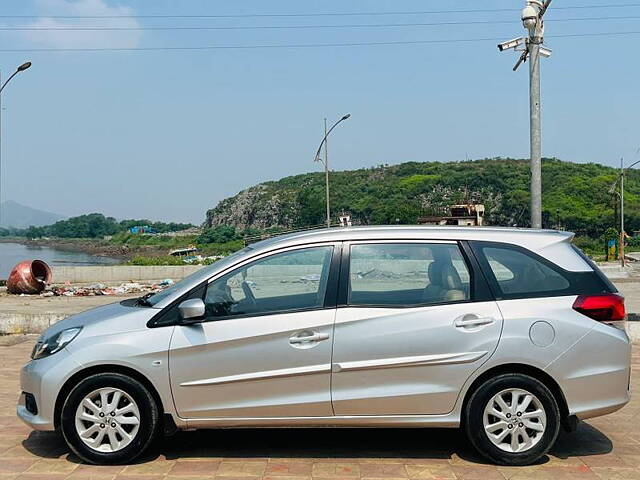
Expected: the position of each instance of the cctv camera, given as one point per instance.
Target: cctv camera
(529, 17)
(516, 42)
(545, 52)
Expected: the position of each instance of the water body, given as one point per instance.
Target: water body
(13, 253)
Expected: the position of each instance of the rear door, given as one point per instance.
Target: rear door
(415, 320)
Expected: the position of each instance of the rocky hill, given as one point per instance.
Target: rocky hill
(575, 195)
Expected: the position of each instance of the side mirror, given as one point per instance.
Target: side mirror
(191, 311)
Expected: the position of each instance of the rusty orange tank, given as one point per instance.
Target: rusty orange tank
(30, 276)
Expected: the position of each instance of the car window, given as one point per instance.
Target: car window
(519, 273)
(288, 281)
(407, 274)
(200, 275)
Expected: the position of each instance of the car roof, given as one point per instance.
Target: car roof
(525, 237)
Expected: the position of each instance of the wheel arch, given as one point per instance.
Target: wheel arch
(107, 368)
(529, 370)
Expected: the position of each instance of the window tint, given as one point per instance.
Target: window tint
(407, 274)
(294, 280)
(519, 273)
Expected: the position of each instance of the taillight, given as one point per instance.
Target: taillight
(603, 308)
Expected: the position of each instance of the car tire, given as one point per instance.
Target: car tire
(512, 419)
(109, 418)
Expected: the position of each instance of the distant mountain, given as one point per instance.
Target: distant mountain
(15, 215)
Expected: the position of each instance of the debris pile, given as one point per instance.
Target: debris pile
(68, 290)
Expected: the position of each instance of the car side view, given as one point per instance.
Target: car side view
(509, 334)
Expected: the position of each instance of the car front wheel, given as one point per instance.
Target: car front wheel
(512, 419)
(109, 418)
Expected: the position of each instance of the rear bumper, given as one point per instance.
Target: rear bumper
(594, 374)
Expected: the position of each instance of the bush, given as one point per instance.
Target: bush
(590, 246)
(220, 234)
(149, 261)
(221, 248)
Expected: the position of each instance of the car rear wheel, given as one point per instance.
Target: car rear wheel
(109, 418)
(512, 419)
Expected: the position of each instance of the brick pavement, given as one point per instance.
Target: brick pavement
(603, 448)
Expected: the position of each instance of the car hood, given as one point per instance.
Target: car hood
(115, 316)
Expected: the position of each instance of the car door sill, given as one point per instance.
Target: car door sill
(450, 420)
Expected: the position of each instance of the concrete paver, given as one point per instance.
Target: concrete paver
(606, 448)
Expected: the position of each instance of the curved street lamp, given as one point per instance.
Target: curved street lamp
(326, 160)
(21, 68)
(623, 169)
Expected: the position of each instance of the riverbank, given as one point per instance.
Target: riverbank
(97, 248)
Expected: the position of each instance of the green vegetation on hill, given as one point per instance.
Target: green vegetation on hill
(576, 196)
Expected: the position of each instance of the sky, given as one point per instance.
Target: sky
(166, 134)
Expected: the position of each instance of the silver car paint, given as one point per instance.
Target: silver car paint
(249, 367)
(245, 384)
(408, 361)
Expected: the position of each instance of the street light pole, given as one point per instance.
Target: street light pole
(623, 169)
(326, 160)
(622, 212)
(326, 172)
(21, 68)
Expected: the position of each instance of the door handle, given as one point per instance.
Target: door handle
(315, 337)
(466, 322)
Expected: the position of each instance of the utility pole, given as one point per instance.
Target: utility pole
(536, 135)
(318, 158)
(532, 48)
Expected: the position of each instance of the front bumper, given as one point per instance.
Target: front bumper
(43, 378)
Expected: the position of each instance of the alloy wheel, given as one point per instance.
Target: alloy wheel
(514, 420)
(107, 420)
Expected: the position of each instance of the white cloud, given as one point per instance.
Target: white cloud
(80, 38)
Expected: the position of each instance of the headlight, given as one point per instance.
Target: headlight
(51, 345)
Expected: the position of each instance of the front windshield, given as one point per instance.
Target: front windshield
(201, 274)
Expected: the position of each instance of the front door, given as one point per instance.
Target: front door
(412, 331)
(264, 349)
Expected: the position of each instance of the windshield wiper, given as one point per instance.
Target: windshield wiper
(143, 302)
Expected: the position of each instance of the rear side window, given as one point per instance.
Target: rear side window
(405, 274)
(516, 272)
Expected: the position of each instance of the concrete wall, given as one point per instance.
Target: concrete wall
(121, 273)
(21, 323)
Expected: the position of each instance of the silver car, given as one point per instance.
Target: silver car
(509, 334)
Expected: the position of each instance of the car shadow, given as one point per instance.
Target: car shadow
(586, 440)
(322, 443)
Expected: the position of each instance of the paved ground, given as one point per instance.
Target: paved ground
(35, 304)
(605, 448)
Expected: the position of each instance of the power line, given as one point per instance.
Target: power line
(293, 27)
(320, 14)
(300, 45)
